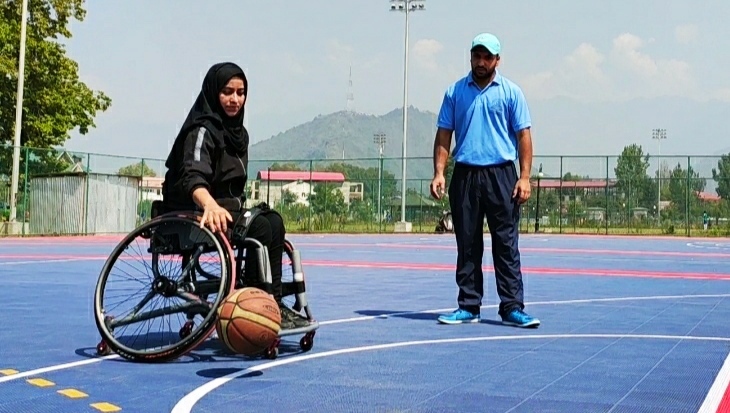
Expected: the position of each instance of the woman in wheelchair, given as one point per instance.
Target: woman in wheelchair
(207, 171)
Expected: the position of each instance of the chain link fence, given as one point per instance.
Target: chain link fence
(68, 193)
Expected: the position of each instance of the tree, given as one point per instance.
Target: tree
(55, 100)
(288, 166)
(137, 169)
(721, 175)
(632, 179)
(368, 177)
(326, 199)
(680, 181)
(569, 176)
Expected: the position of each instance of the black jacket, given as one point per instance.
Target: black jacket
(202, 160)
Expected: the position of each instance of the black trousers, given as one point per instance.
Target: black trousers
(267, 228)
(476, 192)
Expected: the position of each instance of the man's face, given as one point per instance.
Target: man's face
(483, 63)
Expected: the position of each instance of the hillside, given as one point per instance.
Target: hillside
(349, 135)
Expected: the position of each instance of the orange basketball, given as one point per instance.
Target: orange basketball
(249, 321)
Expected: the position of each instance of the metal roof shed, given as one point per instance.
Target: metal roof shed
(77, 203)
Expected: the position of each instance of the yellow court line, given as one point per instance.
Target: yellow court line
(73, 393)
(41, 382)
(103, 407)
(106, 407)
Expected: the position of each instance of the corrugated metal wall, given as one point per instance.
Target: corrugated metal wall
(112, 204)
(59, 204)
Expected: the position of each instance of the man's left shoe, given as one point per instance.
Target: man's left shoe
(519, 318)
(291, 319)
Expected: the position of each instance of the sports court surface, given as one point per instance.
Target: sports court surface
(629, 325)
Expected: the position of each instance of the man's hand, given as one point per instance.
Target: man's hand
(522, 190)
(438, 186)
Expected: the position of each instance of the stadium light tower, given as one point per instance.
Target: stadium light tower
(18, 115)
(659, 135)
(407, 7)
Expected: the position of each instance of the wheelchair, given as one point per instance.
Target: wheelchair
(186, 273)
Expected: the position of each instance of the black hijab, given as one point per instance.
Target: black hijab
(207, 111)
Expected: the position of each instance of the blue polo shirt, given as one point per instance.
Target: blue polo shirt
(485, 121)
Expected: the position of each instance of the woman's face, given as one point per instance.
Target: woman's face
(232, 96)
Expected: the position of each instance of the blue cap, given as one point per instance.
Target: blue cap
(489, 41)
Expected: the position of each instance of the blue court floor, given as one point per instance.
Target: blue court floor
(628, 325)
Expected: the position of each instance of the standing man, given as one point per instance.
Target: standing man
(490, 118)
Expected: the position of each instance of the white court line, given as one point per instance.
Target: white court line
(717, 391)
(528, 304)
(54, 368)
(186, 404)
(365, 318)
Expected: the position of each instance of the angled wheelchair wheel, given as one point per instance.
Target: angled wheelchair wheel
(158, 293)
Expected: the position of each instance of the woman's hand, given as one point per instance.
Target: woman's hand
(216, 217)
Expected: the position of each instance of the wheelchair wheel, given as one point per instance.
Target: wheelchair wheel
(158, 293)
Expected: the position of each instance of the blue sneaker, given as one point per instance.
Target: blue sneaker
(458, 317)
(519, 318)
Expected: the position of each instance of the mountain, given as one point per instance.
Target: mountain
(349, 135)
(585, 133)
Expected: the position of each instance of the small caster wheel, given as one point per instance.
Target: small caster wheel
(272, 353)
(307, 342)
(103, 349)
(186, 329)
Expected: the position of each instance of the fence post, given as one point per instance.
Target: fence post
(309, 197)
(687, 209)
(86, 194)
(26, 192)
(380, 195)
(608, 209)
(560, 198)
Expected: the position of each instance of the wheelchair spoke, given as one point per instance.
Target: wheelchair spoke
(202, 308)
(144, 302)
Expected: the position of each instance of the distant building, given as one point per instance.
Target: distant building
(270, 187)
(151, 188)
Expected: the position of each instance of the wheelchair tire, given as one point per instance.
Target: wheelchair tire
(194, 335)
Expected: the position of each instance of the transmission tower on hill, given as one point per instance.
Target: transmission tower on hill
(350, 95)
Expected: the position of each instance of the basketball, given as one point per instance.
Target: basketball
(249, 321)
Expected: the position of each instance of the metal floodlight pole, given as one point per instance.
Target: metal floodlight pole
(659, 135)
(406, 6)
(379, 139)
(18, 115)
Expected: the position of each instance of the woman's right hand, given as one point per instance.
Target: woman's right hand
(216, 217)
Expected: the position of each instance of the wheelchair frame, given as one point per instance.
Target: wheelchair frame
(179, 241)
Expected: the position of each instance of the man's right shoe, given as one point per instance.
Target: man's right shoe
(459, 316)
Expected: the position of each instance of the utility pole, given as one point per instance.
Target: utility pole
(379, 140)
(18, 115)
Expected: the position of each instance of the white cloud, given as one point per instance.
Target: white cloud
(686, 33)
(338, 52)
(626, 52)
(579, 76)
(722, 94)
(627, 71)
(425, 52)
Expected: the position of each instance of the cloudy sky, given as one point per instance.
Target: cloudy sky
(598, 75)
